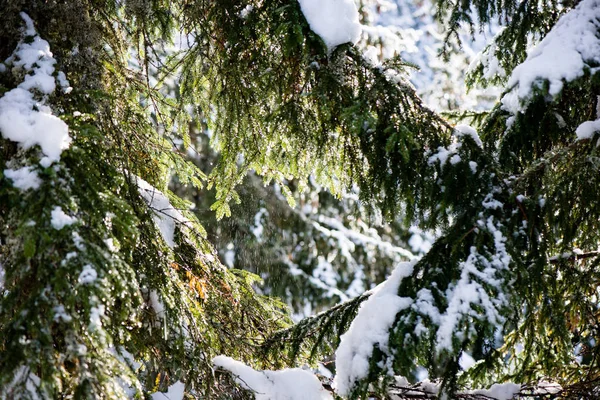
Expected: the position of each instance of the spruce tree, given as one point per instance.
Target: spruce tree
(111, 290)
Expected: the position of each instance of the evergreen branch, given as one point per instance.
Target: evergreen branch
(313, 337)
(573, 257)
(536, 391)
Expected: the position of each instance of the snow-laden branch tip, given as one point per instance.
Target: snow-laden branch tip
(288, 384)
(24, 178)
(335, 21)
(24, 116)
(174, 392)
(567, 51)
(165, 216)
(370, 328)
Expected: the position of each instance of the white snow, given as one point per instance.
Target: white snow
(166, 217)
(488, 60)
(246, 11)
(370, 327)
(469, 291)
(419, 389)
(59, 219)
(450, 153)
(96, 316)
(545, 388)
(87, 275)
(473, 166)
(22, 376)
(24, 118)
(350, 237)
(571, 47)
(174, 392)
(60, 314)
(410, 29)
(587, 129)
(329, 291)
(455, 159)
(286, 384)
(336, 21)
(466, 130)
(443, 154)
(499, 391)
(24, 178)
(258, 228)
(420, 241)
(156, 304)
(466, 361)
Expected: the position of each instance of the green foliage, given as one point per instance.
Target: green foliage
(512, 209)
(149, 316)
(281, 105)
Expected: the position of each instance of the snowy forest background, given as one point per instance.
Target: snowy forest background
(299, 200)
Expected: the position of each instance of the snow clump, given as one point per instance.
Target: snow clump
(23, 117)
(286, 384)
(567, 51)
(370, 328)
(336, 21)
(23, 178)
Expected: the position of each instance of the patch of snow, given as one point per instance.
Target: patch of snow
(335, 21)
(430, 388)
(443, 154)
(24, 178)
(571, 47)
(587, 129)
(96, 315)
(370, 328)
(22, 375)
(545, 388)
(59, 219)
(473, 166)
(342, 233)
(258, 227)
(78, 241)
(60, 314)
(488, 60)
(455, 159)
(174, 392)
(23, 118)
(476, 271)
(64, 82)
(330, 291)
(87, 275)
(166, 217)
(499, 391)
(466, 361)
(372, 56)
(286, 384)
(246, 11)
(420, 241)
(466, 130)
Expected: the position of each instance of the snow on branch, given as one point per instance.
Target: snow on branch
(165, 216)
(335, 21)
(567, 51)
(24, 116)
(288, 384)
(370, 328)
(301, 384)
